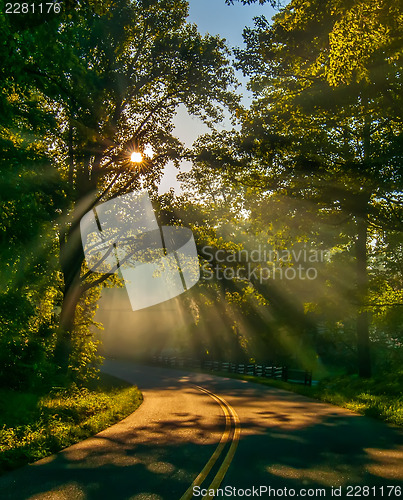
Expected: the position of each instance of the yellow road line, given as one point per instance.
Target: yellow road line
(215, 484)
(214, 457)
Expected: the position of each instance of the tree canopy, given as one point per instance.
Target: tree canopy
(321, 143)
(312, 169)
(108, 84)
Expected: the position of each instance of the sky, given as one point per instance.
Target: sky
(216, 18)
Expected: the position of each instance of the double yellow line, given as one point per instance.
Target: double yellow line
(230, 417)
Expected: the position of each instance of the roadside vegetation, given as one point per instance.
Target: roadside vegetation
(380, 397)
(35, 425)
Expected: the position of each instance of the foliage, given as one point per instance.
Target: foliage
(31, 195)
(75, 109)
(319, 152)
(237, 311)
(35, 425)
(152, 62)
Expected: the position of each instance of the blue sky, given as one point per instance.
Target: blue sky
(216, 18)
(228, 21)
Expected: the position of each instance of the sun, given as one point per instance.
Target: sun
(136, 157)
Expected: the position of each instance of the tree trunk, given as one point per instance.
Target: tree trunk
(71, 259)
(363, 342)
(64, 347)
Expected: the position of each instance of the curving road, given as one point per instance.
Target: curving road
(194, 432)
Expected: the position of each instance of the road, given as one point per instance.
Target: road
(201, 430)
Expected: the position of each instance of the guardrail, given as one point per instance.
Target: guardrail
(259, 370)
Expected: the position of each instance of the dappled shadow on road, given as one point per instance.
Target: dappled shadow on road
(290, 440)
(120, 466)
(286, 441)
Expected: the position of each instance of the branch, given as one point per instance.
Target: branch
(385, 304)
(39, 72)
(153, 110)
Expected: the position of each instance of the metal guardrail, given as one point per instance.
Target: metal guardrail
(259, 370)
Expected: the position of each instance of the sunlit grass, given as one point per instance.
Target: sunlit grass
(35, 426)
(379, 397)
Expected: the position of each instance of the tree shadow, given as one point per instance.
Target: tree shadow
(286, 440)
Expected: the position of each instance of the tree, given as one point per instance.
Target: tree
(113, 78)
(320, 149)
(31, 193)
(325, 123)
(242, 290)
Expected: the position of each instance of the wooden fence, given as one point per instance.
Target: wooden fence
(266, 370)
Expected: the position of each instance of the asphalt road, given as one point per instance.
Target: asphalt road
(205, 431)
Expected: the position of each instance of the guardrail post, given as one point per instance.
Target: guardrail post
(225, 366)
(308, 378)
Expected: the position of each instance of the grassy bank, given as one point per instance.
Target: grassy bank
(33, 426)
(380, 397)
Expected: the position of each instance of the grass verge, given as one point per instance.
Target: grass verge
(379, 397)
(34, 426)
